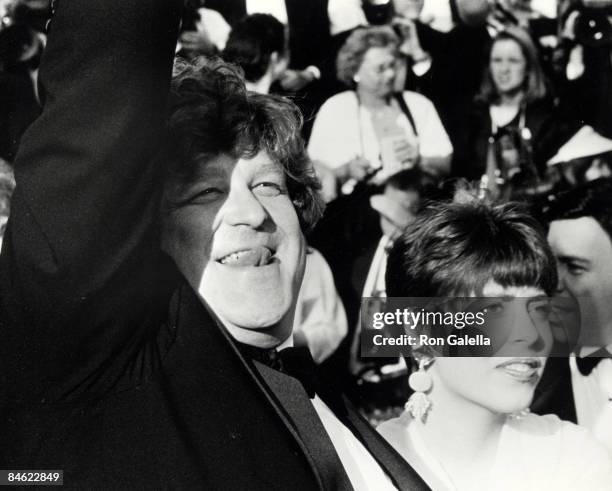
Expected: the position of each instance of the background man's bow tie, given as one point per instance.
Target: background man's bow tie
(588, 363)
(295, 362)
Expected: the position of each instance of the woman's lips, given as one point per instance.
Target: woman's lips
(522, 370)
(253, 256)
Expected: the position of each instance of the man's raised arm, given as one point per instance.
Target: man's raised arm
(82, 232)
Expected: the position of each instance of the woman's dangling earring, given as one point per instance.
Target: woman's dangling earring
(420, 382)
(356, 79)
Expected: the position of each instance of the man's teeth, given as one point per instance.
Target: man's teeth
(235, 256)
(256, 256)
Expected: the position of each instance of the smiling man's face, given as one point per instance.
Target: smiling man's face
(584, 256)
(234, 233)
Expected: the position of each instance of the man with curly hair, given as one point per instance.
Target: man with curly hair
(131, 367)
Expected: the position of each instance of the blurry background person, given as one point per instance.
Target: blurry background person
(320, 320)
(406, 23)
(21, 48)
(444, 46)
(580, 235)
(463, 434)
(312, 27)
(7, 185)
(513, 126)
(586, 156)
(257, 44)
(584, 62)
(372, 127)
(196, 38)
(354, 236)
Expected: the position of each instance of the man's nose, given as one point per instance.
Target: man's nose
(243, 208)
(561, 288)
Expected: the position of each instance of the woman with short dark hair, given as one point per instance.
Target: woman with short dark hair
(467, 425)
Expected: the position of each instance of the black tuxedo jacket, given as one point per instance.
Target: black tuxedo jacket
(111, 368)
(554, 393)
(19, 109)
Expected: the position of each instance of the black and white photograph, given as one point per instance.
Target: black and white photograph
(306, 245)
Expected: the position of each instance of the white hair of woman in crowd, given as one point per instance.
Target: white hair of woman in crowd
(374, 128)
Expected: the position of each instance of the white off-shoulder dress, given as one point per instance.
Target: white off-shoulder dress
(535, 453)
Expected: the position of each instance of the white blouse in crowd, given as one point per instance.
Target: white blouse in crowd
(343, 130)
(535, 453)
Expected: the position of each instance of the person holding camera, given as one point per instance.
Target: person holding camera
(584, 62)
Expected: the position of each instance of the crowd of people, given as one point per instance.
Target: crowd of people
(198, 197)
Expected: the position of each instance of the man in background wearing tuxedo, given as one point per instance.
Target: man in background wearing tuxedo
(128, 367)
(580, 235)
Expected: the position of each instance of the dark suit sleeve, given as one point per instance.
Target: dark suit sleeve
(81, 237)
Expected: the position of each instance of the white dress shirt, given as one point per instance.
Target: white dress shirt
(374, 285)
(593, 397)
(361, 468)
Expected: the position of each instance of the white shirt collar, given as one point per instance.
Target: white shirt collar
(287, 343)
(589, 350)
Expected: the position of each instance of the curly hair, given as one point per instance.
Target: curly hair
(456, 248)
(350, 56)
(212, 113)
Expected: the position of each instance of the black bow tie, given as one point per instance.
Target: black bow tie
(295, 362)
(588, 363)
